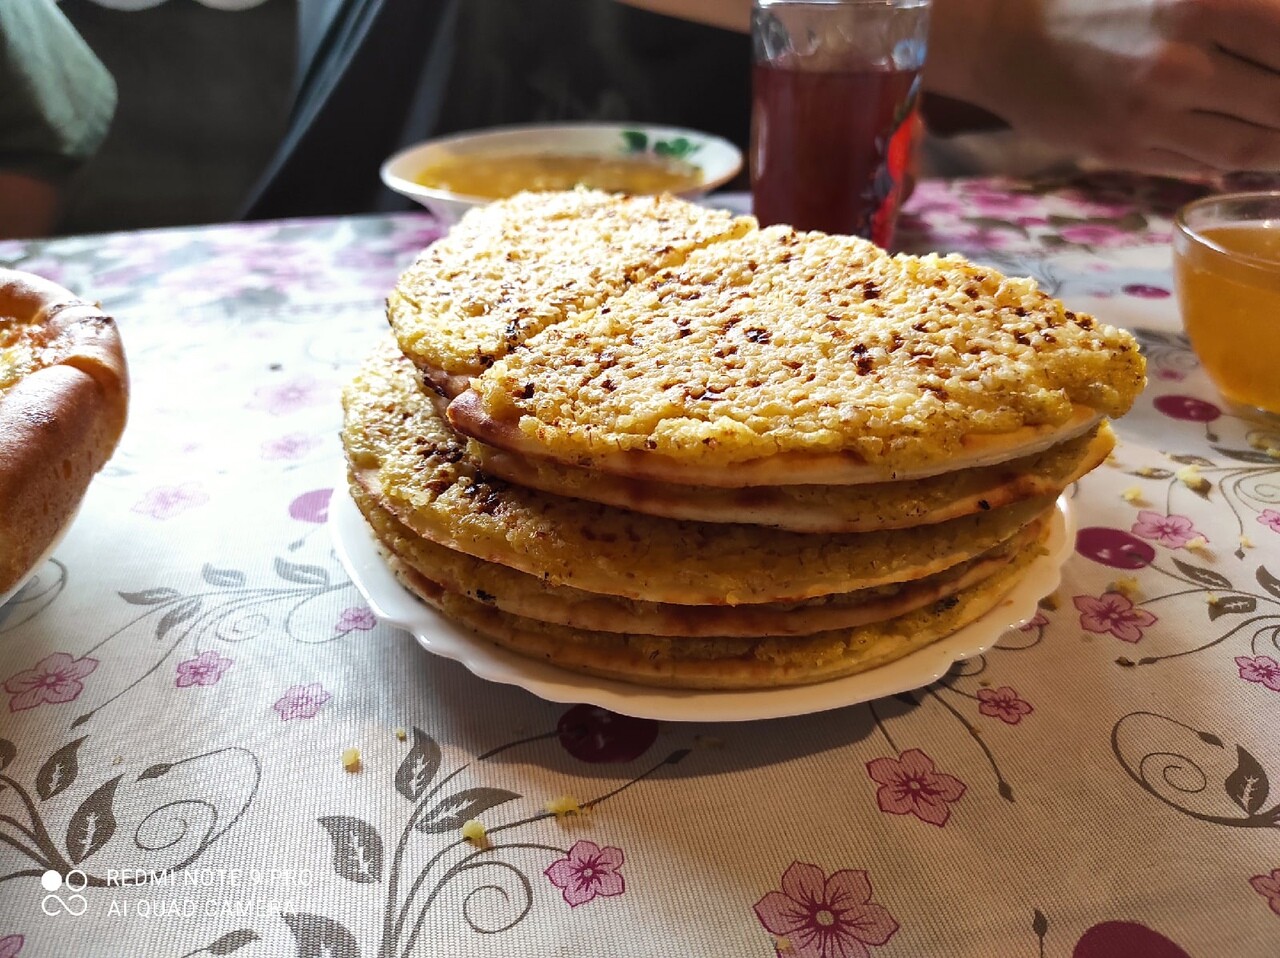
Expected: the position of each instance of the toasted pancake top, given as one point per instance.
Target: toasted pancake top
(509, 269)
(786, 343)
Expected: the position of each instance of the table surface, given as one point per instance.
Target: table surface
(181, 678)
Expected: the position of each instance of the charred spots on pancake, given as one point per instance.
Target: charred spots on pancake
(487, 597)
(527, 391)
(946, 603)
(485, 493)
(984, 505)
(862, 362)
(428, 382)
(757, 335)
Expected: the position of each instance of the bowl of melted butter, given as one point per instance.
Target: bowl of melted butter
(451, 174)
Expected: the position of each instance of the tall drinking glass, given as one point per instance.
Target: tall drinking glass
(835, 88)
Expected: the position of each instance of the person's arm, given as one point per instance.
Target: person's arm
(29, 205)
(55, 109)
(1171, 86)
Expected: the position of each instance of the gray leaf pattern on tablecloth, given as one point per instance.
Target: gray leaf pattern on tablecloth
(419, 766)
(1268, 581)
(300, 573)
(60, 770)
(320, 937)
(157, 596)
(357, 848)
(1247, 785)
(222, 578)
(178, 614)
(93, 823)
(452, 812)
(233, 941)
(1232, 605)
(1204, 577)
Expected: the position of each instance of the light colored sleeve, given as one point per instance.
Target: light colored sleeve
(56, 98)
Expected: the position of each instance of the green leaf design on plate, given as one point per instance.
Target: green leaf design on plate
(677, 149)
(635, 140)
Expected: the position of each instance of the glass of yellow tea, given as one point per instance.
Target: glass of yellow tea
(1226, 253)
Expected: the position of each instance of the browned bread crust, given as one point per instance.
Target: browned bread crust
(63, 402)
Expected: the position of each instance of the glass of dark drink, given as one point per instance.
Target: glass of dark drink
(835, 89)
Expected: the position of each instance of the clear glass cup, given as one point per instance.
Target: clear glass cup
(835, 89)
(1226, 268)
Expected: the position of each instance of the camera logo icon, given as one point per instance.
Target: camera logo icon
(72, 903)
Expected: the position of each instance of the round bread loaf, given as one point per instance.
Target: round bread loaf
(63, 401)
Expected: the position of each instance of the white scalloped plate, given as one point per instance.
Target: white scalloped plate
(395, 605)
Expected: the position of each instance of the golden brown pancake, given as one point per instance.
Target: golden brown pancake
(527, 596)
(722, 663)
(510, 269)
(415, 467)
(847, 508)
(782, 358)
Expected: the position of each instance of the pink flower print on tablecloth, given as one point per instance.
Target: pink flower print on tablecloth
(1263, 669)
(824, 917)
(1268, 886)
(1092, 234)
(52, 680)
(593, 734)
(357, 618)
(293, 446)
(1145, 291)
(1114, 613)
(587, 871)
(1003, 703)
(1187, 408)
(206, 668)
(165, 502)
(311, 506)
(910, 785)
(10, 945)
(1270, 518)
(1172, 530)
(301, 701)
(279, 399)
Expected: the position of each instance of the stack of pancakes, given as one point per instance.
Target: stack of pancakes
(649, 441)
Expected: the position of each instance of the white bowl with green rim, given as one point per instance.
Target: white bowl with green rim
(715, 160)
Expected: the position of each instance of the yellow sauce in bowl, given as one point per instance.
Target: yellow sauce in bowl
(497, 177)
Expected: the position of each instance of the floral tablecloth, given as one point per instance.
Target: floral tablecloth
(181, 679)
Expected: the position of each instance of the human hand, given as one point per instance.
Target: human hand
(1165, 86)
